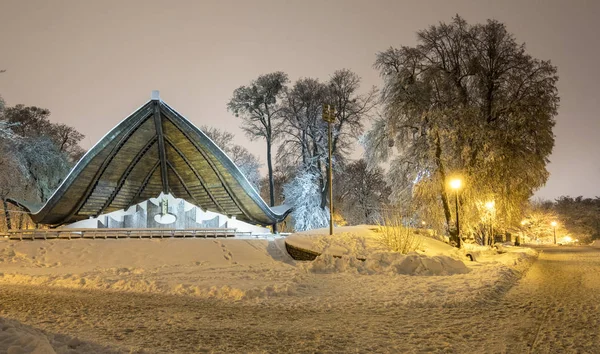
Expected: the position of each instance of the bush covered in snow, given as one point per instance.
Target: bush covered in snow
(303, 194)
(397, 237)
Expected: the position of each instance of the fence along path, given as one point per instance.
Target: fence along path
(46, 234)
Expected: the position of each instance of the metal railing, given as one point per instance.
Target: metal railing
(69, 234)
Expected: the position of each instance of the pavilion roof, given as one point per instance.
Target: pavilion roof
(155, 150)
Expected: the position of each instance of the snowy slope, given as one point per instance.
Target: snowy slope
(16, 338)
(343, 252)
(247, 269)
(248, 272)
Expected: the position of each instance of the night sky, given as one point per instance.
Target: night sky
(92, 63)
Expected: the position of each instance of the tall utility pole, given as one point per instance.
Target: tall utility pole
(329, 117)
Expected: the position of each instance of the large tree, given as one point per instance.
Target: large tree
(259, 106)
(466, 100)
(352, 110)
(363, 193)
(580, 216)
(43, 164)
(305, 141)
(304, 137)
(33, 122)
(35, 154)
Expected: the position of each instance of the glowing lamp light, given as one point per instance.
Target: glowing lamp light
(523, 222)
(490, 205)
(455, 183)
(553, 224)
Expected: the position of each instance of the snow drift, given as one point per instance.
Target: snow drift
(17, 338)
(260, 270)
(358, 249)
(389, 263)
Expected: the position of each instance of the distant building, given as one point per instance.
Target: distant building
(155, 150)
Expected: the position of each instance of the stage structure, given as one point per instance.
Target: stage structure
(155, 152)
(167, 212)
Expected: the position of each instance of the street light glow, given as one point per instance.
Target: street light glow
(490, 205)
(455, 183)
(553, 224)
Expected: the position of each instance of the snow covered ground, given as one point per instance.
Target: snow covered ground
(16, 338)
(230, 277)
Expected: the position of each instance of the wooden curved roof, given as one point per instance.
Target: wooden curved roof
(155, 150)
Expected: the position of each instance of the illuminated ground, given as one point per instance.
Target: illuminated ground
(554, 308)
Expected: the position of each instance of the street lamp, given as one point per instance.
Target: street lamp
(554, 227)
(523, 223)
(329, 117)
(490, 206)
(455, 184)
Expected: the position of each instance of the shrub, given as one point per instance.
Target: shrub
(396, 236)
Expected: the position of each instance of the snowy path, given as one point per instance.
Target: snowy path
(561, 302)
(553, 309)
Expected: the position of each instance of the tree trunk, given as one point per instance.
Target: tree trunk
(323, 183)
(271, 181)
(444, 195)
(6, 214)
(304, 147)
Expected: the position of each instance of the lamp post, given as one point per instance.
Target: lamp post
(490, 206)
(456, 184)
(522, 232)
(329, 117)
(554, 227)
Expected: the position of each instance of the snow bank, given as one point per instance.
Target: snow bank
(17, 338)
(343, 252)
(389, 263)
(84, 255)
(596, 243)
(360, 241)
(225, 269)
(124, 283)
(260, 270)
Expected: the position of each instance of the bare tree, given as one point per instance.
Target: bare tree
(9, 180)
(352, 109)
(43, 164)
(67, 139)
(28, 121)
(363, 194)
(40, 152)
(305, 138)
(304, 131)
(248, 163)
(259, 105)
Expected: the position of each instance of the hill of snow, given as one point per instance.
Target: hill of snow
(253, 270)
(349, 246)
